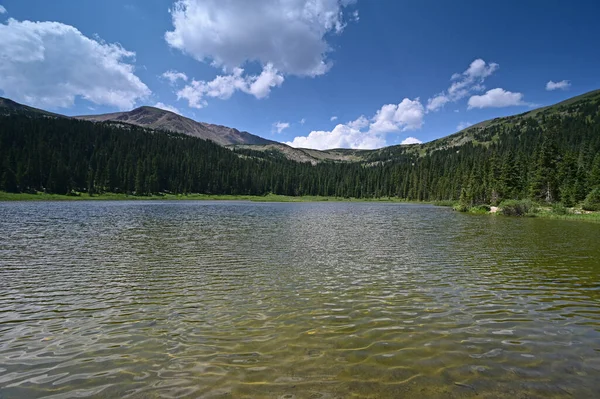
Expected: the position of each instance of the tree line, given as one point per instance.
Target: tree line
(551, 157)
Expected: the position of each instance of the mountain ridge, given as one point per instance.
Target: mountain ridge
(549, 155)
(8, 106)
(159, 119)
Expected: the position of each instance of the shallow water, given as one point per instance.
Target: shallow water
(296, 300)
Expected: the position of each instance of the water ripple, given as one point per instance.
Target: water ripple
(205, 299)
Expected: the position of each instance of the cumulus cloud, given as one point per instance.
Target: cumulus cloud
(342, 136)
(167, 107)
(562, 85)
(408, 115)
(173, 76)
(260, 86)
(463, 125)
(290, 35)
(359, 123)
(333, 118)
(363, 133)
(496, 98)
(2, 10)
(49, 64)
(280, 126)
(411, 140)
(463, 84)
(224, 86)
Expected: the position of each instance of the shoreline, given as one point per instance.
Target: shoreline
(41, 197)
(573, 214)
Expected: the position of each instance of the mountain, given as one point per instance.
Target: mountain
(549, 155)
(482, 133)
(159, 119)
(10, 107)
(307, 154)
(490, 131)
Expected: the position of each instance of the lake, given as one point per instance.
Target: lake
(294, 300)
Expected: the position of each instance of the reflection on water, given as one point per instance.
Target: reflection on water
(306, 300)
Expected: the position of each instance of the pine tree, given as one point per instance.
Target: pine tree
(544, 186)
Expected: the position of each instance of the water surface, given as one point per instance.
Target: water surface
(295, 300)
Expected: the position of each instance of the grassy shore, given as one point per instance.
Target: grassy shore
(4, 196)
(532, 210)
(572, 214)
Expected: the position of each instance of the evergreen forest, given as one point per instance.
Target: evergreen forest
(550, 156)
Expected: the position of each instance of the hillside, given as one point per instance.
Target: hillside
(150, 118)
(159, 119)
(488, 132)
(549, 155)
(482, 133)
(10, 107)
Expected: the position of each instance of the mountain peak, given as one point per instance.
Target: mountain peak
(161, 119)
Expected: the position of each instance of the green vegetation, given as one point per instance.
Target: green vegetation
(571, 214)
(480, 209)
(518, 207)
(551, 156)
(592, 201)
(528, 208)
(40, 196)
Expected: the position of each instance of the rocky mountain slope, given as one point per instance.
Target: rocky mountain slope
(159, 119)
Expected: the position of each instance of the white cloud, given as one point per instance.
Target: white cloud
(408, 115)
(359, 123)
(437, 102)
(342, 136)
(261, 86)
(302, 121)
(463, 125)
(411, 140)
(290, 35)
(173, 76)
(2, 10)
(223, 86)
(464, 84)
(194, 94)
(333, 118)
(562, 85)
(280, 126)
(496, 98)
(167, 107)
(49, 64)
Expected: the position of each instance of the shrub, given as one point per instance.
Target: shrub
(592, 201)
(480, 209)
(517, 208)
(460, 207)
(559, 209)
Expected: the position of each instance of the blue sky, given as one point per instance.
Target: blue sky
(384, 71)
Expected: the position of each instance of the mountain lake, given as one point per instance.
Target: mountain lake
(201, 299)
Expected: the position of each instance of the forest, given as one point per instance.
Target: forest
(551, 157)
